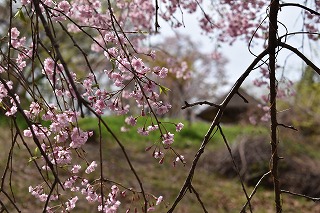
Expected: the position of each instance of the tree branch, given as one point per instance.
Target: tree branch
(272, 46)
(235, 166)
(254, 191)
(187, 105)
(199, 199)
(314, 199)
(301, 55)
(301, 6)
(288, 127)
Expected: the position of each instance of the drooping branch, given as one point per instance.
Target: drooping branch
(254, 190)
(301, 55)
(301, 6)
(314, 199)
(187, 105)
(35, 139)
(123, 149)
(55, 46)
(83, 102)
(235, 166)
(199, 199)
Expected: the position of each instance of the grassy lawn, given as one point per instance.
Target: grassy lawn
(218, 193)
(190, 136)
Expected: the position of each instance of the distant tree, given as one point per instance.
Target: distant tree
(192, 74)
(306, 103)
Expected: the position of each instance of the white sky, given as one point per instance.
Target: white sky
(238, 54)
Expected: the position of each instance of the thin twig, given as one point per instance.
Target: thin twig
(101, 164)
(124, 153)
(11, 201)
(243, 98)
(199, 199)
(254, 191)
(301, 6)
(301, 55)
(3, 207)
(289, 127)
(314, 199)
(49, 196)
(187, 105)
(235, 166)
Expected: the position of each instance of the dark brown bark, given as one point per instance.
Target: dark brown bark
(272, 45)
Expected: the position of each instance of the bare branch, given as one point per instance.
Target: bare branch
(199, 199)
(156, 24)
(243, 98)
(314, 199)
(235, 166)
(187, 105)
(289, 127)
(254, 191)
(272, 46)
(301, 55)
(301, 6)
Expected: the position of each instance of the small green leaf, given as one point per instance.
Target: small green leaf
(94, 85)
(36, 151)
(143, 32)
(19, 14)
(163, 89)
(113, 63)
(32, 159)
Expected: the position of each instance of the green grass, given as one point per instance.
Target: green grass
(218, 193)
(190, 136)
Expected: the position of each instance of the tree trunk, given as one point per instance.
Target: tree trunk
(272, 45)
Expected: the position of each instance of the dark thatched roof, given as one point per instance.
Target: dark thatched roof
(236, 111)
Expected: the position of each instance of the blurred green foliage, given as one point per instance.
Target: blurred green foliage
(307, 102)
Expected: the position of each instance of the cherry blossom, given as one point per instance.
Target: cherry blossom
(179, 127)
(159, 200)
(75, 168)
(131, 121)
(71, 204)
(91, 167)
(167, 139)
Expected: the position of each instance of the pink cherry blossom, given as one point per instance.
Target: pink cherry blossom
(162, 109)
(78, 138)
(75, 168)
(131, 121)
(14, 33)
(179, 127)
(159, 200)
(71, 204)
(64, 6)
(168, 138)
(163, 72)
(91, 167)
